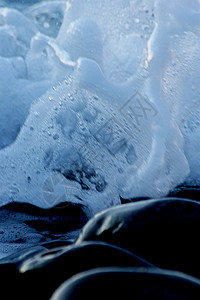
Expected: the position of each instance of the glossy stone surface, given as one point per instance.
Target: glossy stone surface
(116, 283)
(162, 231)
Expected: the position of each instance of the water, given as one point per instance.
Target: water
(98, 100)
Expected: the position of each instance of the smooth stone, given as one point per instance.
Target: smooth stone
(60, 218)
(162, 231)
(56, 244)
(47, 269)
(128, 283)
(131, 200)
(190, 192)
(11, 287)
(68, 261)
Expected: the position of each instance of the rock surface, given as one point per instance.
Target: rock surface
(125, 250)
(116, 283)
(162, 231)
(47, 269)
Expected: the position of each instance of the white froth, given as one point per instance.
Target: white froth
(118, 106)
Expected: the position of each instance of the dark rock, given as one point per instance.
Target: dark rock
(125, 201)
(24, 225)
(49, 268)
(164, 232)
(191, 192)
(56, 244)
(61, 263)
(26, 230)
(11, 287)
(58, 215)
(128, 283)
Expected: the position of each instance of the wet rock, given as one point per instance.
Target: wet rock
(123, 283)
(11, 279)
(191, 192)
(24, 225)
(164, 232)
(47, 269)
(125, 201)
(61, 263)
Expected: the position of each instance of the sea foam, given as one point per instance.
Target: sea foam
(117, 113)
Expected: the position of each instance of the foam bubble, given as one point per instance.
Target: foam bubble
(122, 97)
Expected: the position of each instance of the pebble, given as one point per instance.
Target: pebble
(121, 252)
(123, 283)
(162, 231)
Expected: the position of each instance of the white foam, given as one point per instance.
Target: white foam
(117, 123)
(174, 47)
